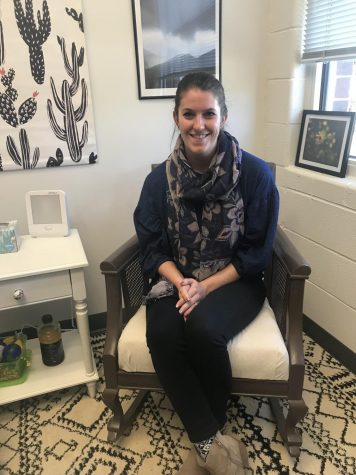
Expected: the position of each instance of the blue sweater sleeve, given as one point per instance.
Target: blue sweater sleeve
(150, 222)
(261, 204)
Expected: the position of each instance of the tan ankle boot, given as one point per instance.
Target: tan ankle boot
(225, 457)
(237, 450)
(191, 467)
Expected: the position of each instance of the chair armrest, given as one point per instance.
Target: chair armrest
(289, 272)
(119, 258)
(113, 268)
(294, 337)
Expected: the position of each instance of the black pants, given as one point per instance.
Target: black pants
(191, 358)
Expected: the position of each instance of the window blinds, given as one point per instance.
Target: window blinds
(329, 30)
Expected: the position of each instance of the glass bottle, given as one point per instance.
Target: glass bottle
(49, 335)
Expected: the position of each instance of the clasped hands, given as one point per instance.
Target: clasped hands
(191, 292)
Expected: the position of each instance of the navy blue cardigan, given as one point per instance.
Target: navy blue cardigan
(261, 202)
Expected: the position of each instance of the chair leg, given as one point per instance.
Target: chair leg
(112, 401)
(120, 421)
(287, 425)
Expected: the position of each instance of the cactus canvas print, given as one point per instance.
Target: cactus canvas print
(46, 114)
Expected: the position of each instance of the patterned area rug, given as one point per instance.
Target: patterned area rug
(65, 432)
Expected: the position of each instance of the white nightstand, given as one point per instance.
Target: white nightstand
(45, 269)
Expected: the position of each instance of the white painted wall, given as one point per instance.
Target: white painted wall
(131, 134)
(318, 212)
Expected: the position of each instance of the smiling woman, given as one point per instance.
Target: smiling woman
(172, 39)
(205, 222)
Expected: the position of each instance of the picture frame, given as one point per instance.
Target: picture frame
(173, 38)
(324, 141)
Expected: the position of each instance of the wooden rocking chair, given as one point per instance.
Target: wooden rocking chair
(127, 363)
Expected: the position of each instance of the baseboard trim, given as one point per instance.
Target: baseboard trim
(333, 346)
(97, 322)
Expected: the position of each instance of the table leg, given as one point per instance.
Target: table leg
(92, 389)
(81, 313)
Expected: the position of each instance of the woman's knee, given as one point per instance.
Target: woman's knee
(202, 330)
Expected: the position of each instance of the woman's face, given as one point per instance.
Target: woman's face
(199, 121)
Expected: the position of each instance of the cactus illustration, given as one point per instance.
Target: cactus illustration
(73, 69)
(56, 162)
(7, 108)
(69, 132)
(92, 157)
(77, 17)
(23, 161)
(28, 108)
(2, 46)
(34, 36)
(7, 102)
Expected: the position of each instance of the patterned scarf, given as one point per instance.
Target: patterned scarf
(205, 210)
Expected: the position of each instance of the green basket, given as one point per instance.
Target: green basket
(25, 370)
(11, 372)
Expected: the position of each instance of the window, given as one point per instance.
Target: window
(330, 40)
(338, 89)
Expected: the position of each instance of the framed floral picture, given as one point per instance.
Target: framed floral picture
(172, 39)
(324, 141)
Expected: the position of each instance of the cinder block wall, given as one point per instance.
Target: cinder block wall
(318, 212)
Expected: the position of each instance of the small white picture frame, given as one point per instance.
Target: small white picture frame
(47, 213)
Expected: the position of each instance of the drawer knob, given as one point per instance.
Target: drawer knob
(18, 294)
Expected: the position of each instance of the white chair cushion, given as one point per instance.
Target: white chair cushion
(258, 352)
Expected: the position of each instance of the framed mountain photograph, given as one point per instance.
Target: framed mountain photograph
(174, 38)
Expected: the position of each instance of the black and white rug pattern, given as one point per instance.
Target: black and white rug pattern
(64, 432)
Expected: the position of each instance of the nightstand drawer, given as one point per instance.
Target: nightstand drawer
(33, 289)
